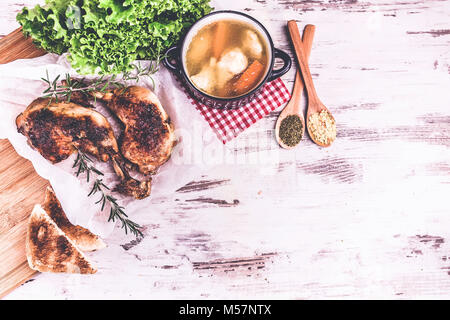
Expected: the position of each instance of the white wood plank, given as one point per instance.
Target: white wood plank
(366, 218)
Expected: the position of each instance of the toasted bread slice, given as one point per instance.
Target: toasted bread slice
(50, 250)
(83, 238)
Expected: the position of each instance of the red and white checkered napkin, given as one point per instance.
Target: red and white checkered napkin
(227, 124)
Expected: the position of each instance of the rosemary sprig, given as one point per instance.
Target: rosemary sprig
(70, 85)
(82, 161)
(116, 212)
(52, 87)
(141, 71)
(84, 164)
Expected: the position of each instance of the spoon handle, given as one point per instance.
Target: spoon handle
(308, 36)
(301, 58)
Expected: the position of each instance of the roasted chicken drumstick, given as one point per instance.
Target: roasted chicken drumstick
(58, 129)
(148, 137)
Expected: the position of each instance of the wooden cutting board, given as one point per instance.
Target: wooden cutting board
(20, 186)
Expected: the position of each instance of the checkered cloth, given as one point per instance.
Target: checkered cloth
(228, 124)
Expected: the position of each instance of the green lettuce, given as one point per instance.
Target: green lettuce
(106, 36)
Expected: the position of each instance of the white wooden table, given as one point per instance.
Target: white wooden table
(368, 217)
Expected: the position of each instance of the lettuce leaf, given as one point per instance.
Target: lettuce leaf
(106, 36)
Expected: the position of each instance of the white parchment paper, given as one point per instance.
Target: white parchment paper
(20, 84)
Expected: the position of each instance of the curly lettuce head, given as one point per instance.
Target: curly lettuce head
(106, 36)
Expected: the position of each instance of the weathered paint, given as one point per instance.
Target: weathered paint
(366, 218)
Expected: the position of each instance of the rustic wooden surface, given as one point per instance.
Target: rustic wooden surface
(20, 189)
(366, 218)
(17, 46)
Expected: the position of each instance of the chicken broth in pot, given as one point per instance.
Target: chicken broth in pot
(227, 58)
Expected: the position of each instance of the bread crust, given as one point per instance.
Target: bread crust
(82, 237)
(48, 249)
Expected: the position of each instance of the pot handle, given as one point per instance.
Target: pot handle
(287, 63)
(171, 59)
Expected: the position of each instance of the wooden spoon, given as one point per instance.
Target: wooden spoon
(293, 107)
(314, 104)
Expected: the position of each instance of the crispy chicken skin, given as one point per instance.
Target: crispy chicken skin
(58, 129)
(148, 137)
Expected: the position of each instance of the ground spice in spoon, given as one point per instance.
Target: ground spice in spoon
(291, 130)
(322, 126)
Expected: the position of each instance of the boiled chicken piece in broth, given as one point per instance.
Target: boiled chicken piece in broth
(201, 49)
(251, 44)
(233, 61)
(205, 79)
(230, 64)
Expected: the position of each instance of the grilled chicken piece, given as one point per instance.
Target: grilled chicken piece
(58, 129)
(148, 138)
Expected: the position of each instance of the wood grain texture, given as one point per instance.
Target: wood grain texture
(17, 46)
(20, 189)
(365, 218)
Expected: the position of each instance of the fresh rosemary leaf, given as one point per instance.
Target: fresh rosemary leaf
(84, 164)
(98, 172)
